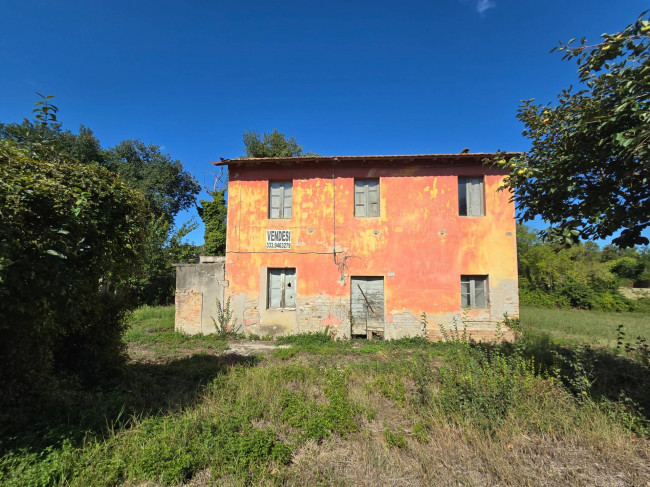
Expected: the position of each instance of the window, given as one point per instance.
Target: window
(473, 291)
(471, 197)
(280, 199)
(282, 288)
(366, 198)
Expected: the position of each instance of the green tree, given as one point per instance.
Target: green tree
(214, 214)
(83, 147)
(274, 144)
(577, 276)
(154, 281)
(588, 170)
(168, 188)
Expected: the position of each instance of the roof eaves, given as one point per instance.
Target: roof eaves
(367, 158)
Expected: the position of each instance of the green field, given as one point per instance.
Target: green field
(187, 411)
(579, 327)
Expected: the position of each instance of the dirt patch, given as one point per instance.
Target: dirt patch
(252, 348)
(149, 354)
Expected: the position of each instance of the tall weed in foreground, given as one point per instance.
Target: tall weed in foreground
(225, 322)
(481, 386)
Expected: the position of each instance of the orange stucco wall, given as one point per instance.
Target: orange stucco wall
(418, 244)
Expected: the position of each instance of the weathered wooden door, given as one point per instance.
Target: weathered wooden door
(367, 305)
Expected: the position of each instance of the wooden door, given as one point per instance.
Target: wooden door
(367, 305)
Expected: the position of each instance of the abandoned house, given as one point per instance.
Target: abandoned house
(365, 246)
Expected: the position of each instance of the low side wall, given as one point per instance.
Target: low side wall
(198, 286)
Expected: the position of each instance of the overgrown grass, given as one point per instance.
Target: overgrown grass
(322, 412)
(579, 327)
(153, 327)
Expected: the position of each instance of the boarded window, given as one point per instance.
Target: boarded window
(366, 198)
(280, 193)
(473, 291)
(282, 288)
(471, 197)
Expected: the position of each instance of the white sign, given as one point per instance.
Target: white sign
(278, 239)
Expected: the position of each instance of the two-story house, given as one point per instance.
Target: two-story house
(364, 245)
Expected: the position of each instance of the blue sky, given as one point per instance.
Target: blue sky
(343, 77)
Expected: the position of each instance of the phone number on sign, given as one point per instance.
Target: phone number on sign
(278, 245)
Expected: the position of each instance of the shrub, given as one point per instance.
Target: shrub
(542, 299)
(68, 231)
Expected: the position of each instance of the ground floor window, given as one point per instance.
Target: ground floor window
(281, 288)
(473, 291)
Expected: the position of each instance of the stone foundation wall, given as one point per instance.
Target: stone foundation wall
(318, 313)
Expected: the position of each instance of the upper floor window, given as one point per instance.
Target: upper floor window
(280, 193)
(471, 198)
(473, 291)
(366, 198)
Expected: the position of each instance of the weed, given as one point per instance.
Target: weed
(454, 334)
(421, 432)
(641, 349)
(307, 339)
(390, 387)
(397, 440)
(285, 353)
(224, 324)
(317, 421)
(480, 386)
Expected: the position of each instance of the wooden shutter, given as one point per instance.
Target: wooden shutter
(479, 292)
(282, 288)
(471, 197)
(286, 200)
(473, 291)
(360, 198)
(280, 199)
(475, 196)
(275, 199)
(275, 288)
(465, 292)
(366, 198)
(372, 190)
(289, 288)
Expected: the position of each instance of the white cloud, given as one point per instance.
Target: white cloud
(483, 5)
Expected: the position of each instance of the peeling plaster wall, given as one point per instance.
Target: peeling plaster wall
(197, 288)
(418, 244)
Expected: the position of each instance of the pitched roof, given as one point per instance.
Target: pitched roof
(468, 158)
